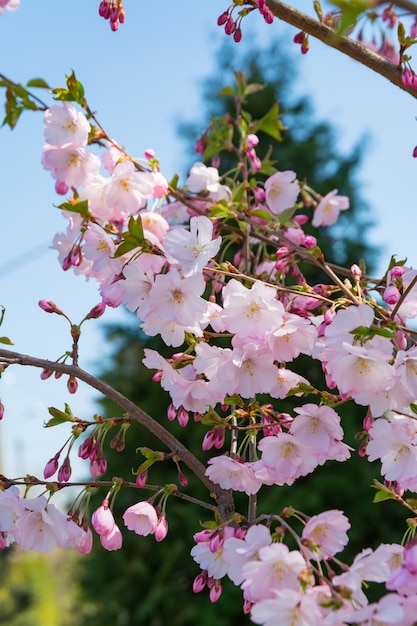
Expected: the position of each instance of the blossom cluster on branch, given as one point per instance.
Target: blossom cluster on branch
(217, 268)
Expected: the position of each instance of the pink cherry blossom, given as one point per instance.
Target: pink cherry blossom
(202, 177)
(324, 535)
(238, 551)
(141, 518)
(41, 527)
(293, 607)
(281, 191)
(70, 164)
(328, 209)
(275, 568)
(192, 249)
(232, 474)
(65, 125)
(112, 540)
(284, 459)
(102, 519)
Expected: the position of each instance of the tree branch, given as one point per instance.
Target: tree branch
(351, 48)
(224, 498)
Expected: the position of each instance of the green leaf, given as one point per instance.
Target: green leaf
(37, 82)
(227, 91)
(6, 341)
(174, 181)
(59, 417)
(351, 10)
(219, 211)
(76, 89)
(126, 246)
(76, 206)
(264, 215)
(271, 124)
(136, 229)
(383, 493)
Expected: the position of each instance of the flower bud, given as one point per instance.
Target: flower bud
(356, 272)
(161, 529)
(49, 307)
(51, 467)
(64, 473)
(391, 295)
(96, 312)
(72, 384)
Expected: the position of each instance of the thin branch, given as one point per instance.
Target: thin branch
(224, 498)
(348, 46)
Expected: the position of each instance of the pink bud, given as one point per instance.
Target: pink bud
(51, 467)
(208, 441)
(114, 26)
(96, 312)
(310, 242)
(391, 295)
(396, 272)
(61, 188)
(64, 473)
(407, 77)
(237, 35)
(112, 540)
(216, 591)
(49, 307)
(45, 374)
(102, 519)
(149, 154)
(85, 448)
(171, 412)
(182, 477)
(252, 140)
(141, 479)
(1, 410)
(182, 417)
(72, 384)
(161, 529)
(356, 272)
(104, 9)
(268, 15)
(222, 19)
(200, 582)
(415, 152)
(230, 26)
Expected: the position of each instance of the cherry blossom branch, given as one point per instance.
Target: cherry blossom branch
(348, 46)
(32, 481)
(224, 498)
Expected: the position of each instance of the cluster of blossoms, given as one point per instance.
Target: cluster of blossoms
(142, 518)
(278, 581)
(112, 10)
(9, 5)
(230, 298)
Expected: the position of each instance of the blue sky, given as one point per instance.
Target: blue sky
(143, 81)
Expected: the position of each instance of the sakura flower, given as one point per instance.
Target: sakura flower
(250, 312)
(139, 276)
(254, 369)
(232, 474)
(202, 177)
(240, 551)
(325, 534)
(293, 335)
(276, 568)
(328, 209)
(281, 191)
(285, 381)
(102, 519)
(319, 427)
(141, 518)
(210, 554)
(41, 527)
(192, 249)
(394, 444)
(65, 125)
(177, 299)
(154, 223)
(127, 190)
(112, 540)
(293, 607)
(70, 164)
(284, 459)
